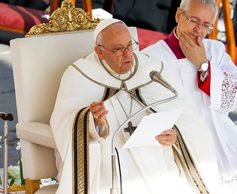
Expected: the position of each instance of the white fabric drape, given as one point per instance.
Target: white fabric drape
(214, 109)
(144, 169)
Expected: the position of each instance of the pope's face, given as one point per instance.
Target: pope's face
(200, 14)
(116, 37)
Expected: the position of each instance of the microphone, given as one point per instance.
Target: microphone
(6, 117)
(155, 76)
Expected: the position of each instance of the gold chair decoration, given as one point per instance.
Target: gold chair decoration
(68, 19)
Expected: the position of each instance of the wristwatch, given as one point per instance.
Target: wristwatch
(204, 67)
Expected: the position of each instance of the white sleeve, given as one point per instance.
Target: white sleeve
(72, 97)
(223, 82)
(100, 132)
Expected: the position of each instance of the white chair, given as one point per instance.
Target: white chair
(38, 64)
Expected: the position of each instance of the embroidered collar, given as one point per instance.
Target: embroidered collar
(174, 31)
(122, 77)
(173, 42)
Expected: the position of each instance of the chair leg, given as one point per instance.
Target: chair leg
(53, 6)
(213, 34)
(87, 6)
(31, 186)
(230, 37)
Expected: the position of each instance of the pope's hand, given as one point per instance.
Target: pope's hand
(98, 111)
(193, 51)
(167, 138)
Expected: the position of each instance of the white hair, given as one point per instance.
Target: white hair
(185, 5)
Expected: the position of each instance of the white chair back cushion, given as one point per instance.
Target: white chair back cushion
(38, 64)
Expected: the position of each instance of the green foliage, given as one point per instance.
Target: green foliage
(21, 174)
(0, 181)
(54, 179)
(14, 175)
(12, 181)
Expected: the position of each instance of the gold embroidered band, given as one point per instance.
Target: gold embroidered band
(190, 164)
(80, 152)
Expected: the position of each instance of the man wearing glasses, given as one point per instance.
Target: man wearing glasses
(101, 91)
(206, 71)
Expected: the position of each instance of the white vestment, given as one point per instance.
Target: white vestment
(144, 169)
(214, 109)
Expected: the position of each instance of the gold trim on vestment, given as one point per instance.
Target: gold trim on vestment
(189, 164)
(85, 56)
(181, 153)
(135, 68)
(162, 64)
(123, 84)
(82, 161)
(68, 19)
(133, 93)
(142, 85)
(108, 93)
(161, 69)
(92, 79)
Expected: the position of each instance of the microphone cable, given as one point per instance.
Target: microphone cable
(120, 173)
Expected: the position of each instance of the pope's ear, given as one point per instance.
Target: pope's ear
(99, 52)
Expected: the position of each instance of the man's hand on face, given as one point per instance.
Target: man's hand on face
(98, 111)
(194, 51)
(167, 138)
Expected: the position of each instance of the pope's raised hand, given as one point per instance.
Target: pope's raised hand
(193, 50)
(98, 111)
(167, 138)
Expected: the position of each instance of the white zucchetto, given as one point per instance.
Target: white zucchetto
(104, 24)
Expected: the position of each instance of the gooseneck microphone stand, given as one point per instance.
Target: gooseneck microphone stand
(5, 117)
(155, 76)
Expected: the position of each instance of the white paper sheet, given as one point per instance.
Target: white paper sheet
(151, 126)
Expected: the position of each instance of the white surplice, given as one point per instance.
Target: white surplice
(214, 109)
(144, 169)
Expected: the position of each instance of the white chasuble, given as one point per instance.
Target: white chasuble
(153, 164)
(214, 109)
(152, 170)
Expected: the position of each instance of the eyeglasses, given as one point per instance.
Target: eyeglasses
(120, 51)
(196, 23)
